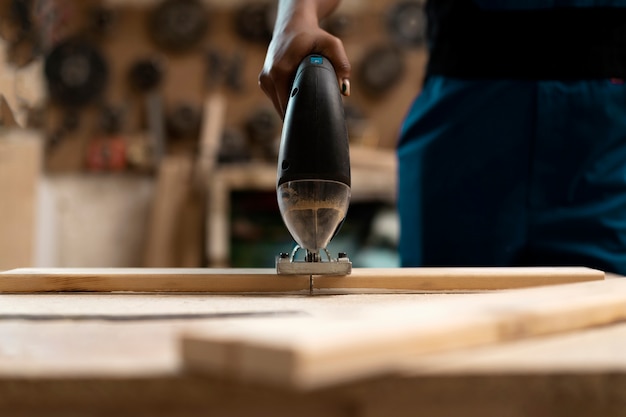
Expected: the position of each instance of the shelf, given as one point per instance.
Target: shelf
(373, 179)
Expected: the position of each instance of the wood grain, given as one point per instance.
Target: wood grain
(149, 280)
(311, 352)
(266, 280)
(91, 367)
(453, 279)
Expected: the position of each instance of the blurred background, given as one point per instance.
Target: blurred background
(133, 133)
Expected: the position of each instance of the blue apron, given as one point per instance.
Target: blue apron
(504, 172)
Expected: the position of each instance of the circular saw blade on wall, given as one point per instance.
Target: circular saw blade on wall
(76, 72)
(178, 25)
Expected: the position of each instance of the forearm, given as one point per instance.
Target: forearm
(296, 34)
(307, 11)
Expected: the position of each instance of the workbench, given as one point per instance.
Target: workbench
(98, 353)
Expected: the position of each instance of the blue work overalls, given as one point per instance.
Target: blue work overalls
(506, 172)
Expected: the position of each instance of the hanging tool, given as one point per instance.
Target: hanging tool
(254, 21)
(146, 76)
(76, 73)
(381, 69)
(313, 186)
(179, 25)
(263, 128)
(406, 23)
(183, 121)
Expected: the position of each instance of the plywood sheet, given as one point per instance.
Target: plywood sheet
(266, 280)
(306, 352)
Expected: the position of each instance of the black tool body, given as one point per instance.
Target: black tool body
(314, 142)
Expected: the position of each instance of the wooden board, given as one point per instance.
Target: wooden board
(90, 366)
(20, 168)
(452, 279)
(266, 280)
(313, 352)
(172, 209)
(139, 388)
(149, 280)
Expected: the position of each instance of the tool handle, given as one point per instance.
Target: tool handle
(314, 141)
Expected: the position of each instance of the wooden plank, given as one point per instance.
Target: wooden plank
(453, 279)
(172, 186)
(20, 168)
(149, 280)
(593, 351)
(313, 352)
(266, 279)
(88, 334)
(132, 367)
(6, 114)
(103, 335)
(171, 241)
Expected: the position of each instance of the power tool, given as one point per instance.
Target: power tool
(313, 181)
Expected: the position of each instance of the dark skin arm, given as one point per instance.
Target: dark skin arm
(297, 34)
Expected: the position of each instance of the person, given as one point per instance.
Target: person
(513, 153)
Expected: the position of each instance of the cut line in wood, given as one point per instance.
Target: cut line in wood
(265, 280)
(316, 352)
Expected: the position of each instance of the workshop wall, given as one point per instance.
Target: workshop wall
(123, 89)
(116, 63)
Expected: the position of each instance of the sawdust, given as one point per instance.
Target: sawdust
(312, 211)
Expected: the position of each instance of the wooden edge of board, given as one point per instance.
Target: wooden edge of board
(146, 280)
(312, 352)
(265, 280)
(455, 279)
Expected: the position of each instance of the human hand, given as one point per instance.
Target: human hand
(294, 38)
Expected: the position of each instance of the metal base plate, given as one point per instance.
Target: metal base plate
(286, 266)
